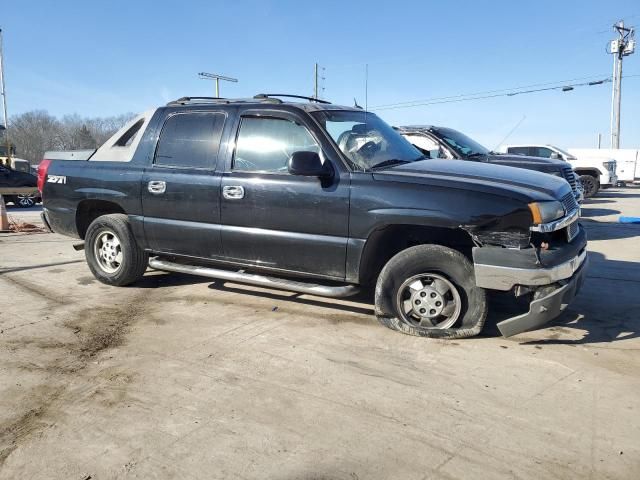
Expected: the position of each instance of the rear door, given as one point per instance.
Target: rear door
(277, 220)
(518, 150)
(180, 190)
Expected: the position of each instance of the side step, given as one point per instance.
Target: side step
(259, 280)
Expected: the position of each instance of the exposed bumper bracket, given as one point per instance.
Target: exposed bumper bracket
(546, 308)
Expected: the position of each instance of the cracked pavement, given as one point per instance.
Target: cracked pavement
(182, 377)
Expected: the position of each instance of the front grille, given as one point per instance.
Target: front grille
(572, 230)
(569, 202)
(611, 166)
(570, 177)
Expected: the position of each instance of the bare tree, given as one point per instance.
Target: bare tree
(35, 132)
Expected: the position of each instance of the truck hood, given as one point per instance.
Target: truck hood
(522, 184)
(525, 162)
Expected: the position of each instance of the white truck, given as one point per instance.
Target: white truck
(595, 171)
(627, 161)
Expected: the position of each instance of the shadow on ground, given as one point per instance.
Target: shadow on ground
(598, 212)
(604, 311)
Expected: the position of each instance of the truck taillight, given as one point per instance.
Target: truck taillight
(42, 173)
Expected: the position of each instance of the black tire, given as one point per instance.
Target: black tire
(440, 261)
(590, 185)
(133, 260)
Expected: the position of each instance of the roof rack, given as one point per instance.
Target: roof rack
(261, 97)
(186, 100)
(284, 95)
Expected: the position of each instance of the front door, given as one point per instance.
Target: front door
(181, 191)
(277, 220)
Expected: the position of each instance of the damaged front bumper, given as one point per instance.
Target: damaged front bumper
(554, 280)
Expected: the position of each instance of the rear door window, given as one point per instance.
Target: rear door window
(190, 140)
(541, 152)
(519, 150)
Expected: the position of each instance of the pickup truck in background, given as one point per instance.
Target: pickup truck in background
(595, 172)
(442, 142)
(627, 161)
(321, 199)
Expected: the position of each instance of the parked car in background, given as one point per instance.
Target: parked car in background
(443, 142)
(325, 200)
(627, 161)
(10, 177)
(595, 171)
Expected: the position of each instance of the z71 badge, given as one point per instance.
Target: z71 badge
(56, 179)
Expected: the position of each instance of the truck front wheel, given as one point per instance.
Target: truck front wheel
(430, 291)
(112, 252)
(590, 185)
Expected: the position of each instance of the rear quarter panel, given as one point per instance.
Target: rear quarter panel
(69, 183)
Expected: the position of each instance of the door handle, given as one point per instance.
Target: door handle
(157, 187)
(233, 192)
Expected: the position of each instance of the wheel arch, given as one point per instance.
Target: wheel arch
(386, 241)
(90, 209)
(588, 171)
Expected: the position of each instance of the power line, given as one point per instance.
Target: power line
(499, 93)
(492, 91)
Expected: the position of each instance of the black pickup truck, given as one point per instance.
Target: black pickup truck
(320, 199)
(444, 142)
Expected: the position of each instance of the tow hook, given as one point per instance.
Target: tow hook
(78, 246)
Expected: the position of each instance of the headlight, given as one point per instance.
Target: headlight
(544, 212)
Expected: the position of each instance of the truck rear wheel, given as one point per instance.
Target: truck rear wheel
(430, 291)
(590, 185)
(112, 253)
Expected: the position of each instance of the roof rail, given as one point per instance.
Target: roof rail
(262, 96)
(186, 100)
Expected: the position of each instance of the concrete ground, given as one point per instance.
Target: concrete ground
(182, 377)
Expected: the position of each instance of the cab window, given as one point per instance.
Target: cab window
(266, 144)
(190, 140)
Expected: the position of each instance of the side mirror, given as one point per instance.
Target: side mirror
(309, 164)
(555, 156)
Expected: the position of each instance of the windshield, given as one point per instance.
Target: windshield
(366, 140)
(462, 144)
(564, 153)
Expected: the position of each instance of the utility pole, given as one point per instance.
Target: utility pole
(216, 78)
(5, 125)
(620, 47)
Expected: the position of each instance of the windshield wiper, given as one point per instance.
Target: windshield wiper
(476, 154)
(390, 162)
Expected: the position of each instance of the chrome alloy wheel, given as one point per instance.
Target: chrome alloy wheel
(429, 300)
(26, 200)
(108, 251)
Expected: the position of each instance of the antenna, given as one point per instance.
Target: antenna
(217, 78)
(366, 86)
(511, 131)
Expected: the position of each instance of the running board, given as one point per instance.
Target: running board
(258, 280)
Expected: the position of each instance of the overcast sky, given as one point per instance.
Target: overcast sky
(106, 58)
